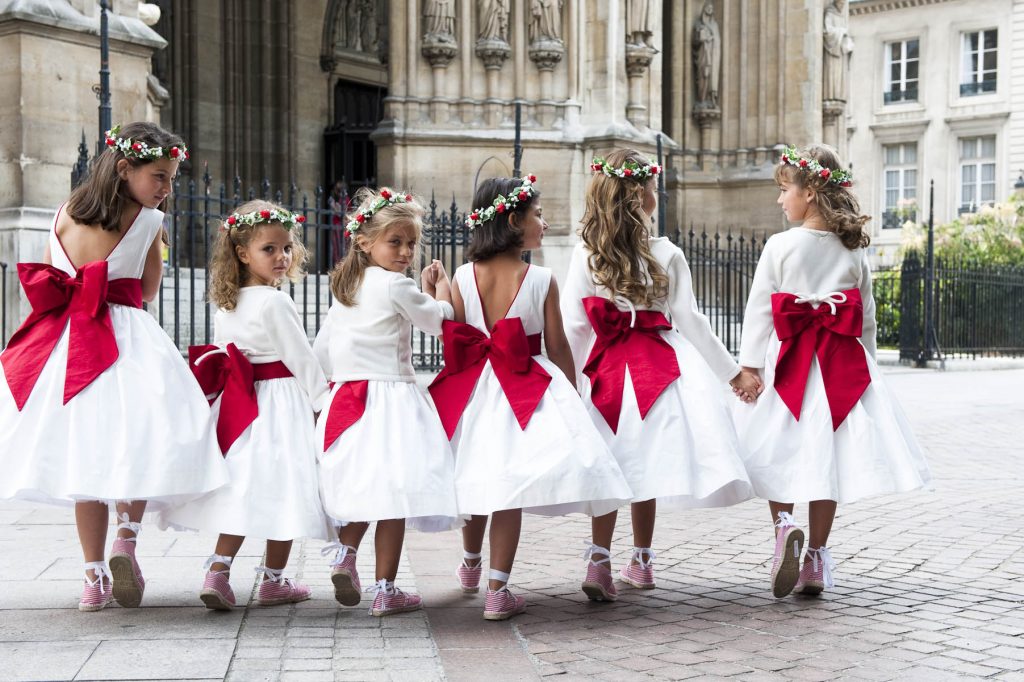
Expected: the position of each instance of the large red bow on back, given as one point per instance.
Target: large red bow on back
(510, 351)
(633, 339)
(56, 299)
(829, 331)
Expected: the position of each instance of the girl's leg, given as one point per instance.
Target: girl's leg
(602, 528)
(822, 513)
(227, 546)
(470, 569)
(277, 554)
(216, 592)
(128, 581)
(598, 585)
(92, 519)
(348, 591)
(505, 528)
(777, 507)
(134, 510)
(275, 588)
(789, 541)
(387, 542)
(643, 514)
(351, 534)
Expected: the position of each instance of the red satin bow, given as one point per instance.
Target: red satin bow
(347, 406)
(831, 334)
(510, 352)
(652, 361)
(57, 299)
(229, 373)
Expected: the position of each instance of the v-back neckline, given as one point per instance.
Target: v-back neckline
(480, 298)
(110, 253)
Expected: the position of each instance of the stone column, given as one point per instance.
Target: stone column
(546, 51)
(493, 50)
(638, 59)
(439, 48)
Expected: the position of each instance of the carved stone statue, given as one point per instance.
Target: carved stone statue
(838, 45)
(638, 22)
(707, 57)
(493, 17)
(368, 25)
(351, 28)
(545, 20)
(439, 19)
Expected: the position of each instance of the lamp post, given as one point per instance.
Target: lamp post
(104, 89)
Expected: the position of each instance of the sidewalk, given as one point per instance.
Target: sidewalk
(930, 587)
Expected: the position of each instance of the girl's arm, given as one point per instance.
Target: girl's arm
(153, 270)
(281, 320)
(869, 332)
(693, 324)
(578, 285)
(423, 311)
(322, 346)
(555, 343)
(458, 303)
(757, 319)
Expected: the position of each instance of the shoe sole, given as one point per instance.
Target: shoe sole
(215, 600)
(596, 592)
(127, 590)
(281, 600)
(470, 590)
(345, 591)
(503, 615)
(89, 608)
(639, 586)
(787, 573)
(390, 612)
(812, 588)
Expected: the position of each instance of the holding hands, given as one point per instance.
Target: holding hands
(435, 282)
(747, 385)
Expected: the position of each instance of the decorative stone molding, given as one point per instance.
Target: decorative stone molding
(493, 52)
(638, 58)
(546, 53)
(439, 51)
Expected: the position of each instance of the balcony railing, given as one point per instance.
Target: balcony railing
(893, 220)
(894, 96)
(978, 88)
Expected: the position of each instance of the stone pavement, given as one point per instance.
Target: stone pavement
(931, 587)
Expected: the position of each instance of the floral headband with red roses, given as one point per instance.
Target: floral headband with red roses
(141, 150)
(288, 220)
(503, 203)
(387, 198)
(838, 176)
(630, 169)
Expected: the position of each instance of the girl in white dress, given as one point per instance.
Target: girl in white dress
(96, 405)
(267, 384)
(383, 454)
(826, 429)
(650, 368)
(521, 436)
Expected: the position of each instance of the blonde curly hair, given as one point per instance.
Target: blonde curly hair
(228, 273)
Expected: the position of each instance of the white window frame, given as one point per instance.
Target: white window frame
(978, 162)
(903, 187)
(901, 83)
(971, 76)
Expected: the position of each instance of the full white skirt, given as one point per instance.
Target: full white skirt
(140, 431)
(273, 493)
(393, 463)
(685, 453)
(873, 452)
(557, 465)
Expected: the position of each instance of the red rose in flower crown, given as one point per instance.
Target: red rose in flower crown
(502, 204)
(287, 219)
(140, 150)
(838, 176)
(630, 169)
(385, 198)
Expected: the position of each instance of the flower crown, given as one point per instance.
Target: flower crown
(141, 150)
(503, 203)
(838, 176)
(630, 169)
(287, 219)
(387, 198)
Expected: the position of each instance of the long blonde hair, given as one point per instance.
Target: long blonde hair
(228, 273)
(837, 204)
(347, 275)
(616, 231)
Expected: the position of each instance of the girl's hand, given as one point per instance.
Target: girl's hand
(747, 385)
(443, 286)
(428, 278)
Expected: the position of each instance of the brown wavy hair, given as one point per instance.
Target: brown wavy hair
(617, 231)
(228, 273)
(837, 205)
(347, 275)
(103, 196)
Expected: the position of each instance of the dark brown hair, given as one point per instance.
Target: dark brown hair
(616, 231)
(103, 196)
(497, 235)
(228, 273)
(837, 204)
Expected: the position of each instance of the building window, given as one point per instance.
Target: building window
(977, 172)
(978, 62)
(901, 66)
(900, 190)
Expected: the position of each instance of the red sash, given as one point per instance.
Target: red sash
(510, 352)
(347, 406)
(830, 332)
(58, 299)
(227, 371)
(633, 339)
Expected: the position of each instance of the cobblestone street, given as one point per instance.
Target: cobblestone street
(930, 586)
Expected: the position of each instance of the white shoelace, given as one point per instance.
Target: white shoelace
(830, 299)
(275, 575)
(218, 559)
(128, 524)
(102, 572)
(785, 519)
(828, 565)
(385, 586)
(638, 555)
(593, 549)
(341, 551)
